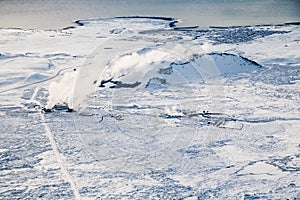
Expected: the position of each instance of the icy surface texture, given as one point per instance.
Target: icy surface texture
(160, 112)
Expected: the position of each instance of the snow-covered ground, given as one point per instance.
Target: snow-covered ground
(161, 112)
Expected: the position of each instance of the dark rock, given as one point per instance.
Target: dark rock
(70, 110)
(47, 110)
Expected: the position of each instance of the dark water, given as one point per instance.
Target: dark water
(49, 14)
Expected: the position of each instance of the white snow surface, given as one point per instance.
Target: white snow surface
(159, 113)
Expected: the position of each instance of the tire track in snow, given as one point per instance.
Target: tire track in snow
(59, 157)
(37, 82)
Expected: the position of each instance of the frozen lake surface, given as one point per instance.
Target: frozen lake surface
(161, 112)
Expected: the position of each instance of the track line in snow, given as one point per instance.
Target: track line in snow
(37, 82)
(59, 157)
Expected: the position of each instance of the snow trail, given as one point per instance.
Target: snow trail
(59, 157)
(37, 82)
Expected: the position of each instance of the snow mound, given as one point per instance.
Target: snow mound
(154, 68)
(230, 63)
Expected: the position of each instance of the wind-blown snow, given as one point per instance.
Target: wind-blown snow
(61, 92)
(160, 113)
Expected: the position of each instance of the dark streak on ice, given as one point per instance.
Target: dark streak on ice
(265, 120)
(119, 84)
(170, 19)
(146, 17)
